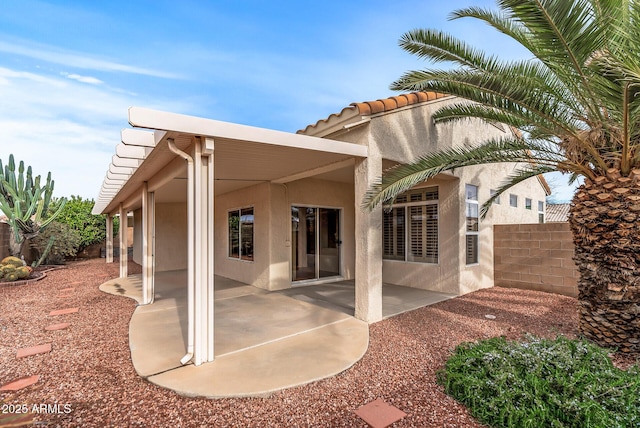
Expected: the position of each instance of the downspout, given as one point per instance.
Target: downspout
(190, 256)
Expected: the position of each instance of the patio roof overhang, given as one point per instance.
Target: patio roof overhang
(244, 156)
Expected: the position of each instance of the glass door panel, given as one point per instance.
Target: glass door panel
(303, 243)
(315, 243)
(329, 242)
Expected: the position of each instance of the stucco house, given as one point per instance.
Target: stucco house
(277, 210)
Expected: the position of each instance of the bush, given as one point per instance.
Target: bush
(542, 383)
(91, 228)
(65, 243)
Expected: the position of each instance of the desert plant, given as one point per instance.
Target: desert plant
(56, 243)
(25, 203)
(542, 383)
(574, 108)
(13, 269)
(77, 215)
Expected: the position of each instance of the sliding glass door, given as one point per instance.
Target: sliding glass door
(315, 243)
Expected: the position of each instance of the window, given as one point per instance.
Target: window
(410, 227)
(513, 200)
(527, 203)
(540, 212)
(241, 234)
(496, 200)
(471, 192)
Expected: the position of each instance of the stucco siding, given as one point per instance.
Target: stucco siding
(327, 194)
(271, 267)
(171, 236)
(443, 276)
(254, 272)
(137, 236)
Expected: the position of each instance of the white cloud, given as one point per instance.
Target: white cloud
(65, 126)
(83, 60)
(83, 79)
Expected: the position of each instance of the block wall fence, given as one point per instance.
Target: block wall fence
(535, 257)
(5, 235)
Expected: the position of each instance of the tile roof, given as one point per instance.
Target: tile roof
(368, 108)
(557, 213)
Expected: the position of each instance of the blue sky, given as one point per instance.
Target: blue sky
(70, 69)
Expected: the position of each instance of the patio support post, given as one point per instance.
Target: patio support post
(123, 243)
(190, 251)
(109, 243)
(148, 228)
(204, 251)
(368, 227)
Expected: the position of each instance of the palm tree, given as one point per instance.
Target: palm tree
(575, 108)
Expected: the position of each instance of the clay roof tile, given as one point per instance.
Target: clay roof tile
(368, 108)
(401, 100)
(389, 104)
(376, 106)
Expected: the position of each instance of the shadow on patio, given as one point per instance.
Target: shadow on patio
(264, 341)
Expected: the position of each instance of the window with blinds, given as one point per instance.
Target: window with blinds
(472, 210)
(410, 227)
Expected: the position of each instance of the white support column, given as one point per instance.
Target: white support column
(368, 227)
(148, 234)
(204, 247)
(109, 244)
(123, 243)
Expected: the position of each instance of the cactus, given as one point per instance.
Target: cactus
(25, 202)
(12, 261)
(22, 272)
(13, 269)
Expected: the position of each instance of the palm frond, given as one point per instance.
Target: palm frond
(438, 46)
(505, 150)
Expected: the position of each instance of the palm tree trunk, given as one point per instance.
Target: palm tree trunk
(605, 221)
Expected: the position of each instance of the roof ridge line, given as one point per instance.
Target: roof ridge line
(368, 108)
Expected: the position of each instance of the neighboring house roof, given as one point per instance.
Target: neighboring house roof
(557, 213)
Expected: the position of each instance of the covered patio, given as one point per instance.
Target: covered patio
(264, 341)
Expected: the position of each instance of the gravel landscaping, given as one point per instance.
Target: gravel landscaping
(89, 367)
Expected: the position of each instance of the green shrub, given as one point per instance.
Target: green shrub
(91, 228)
(65, 243)
(542, 383)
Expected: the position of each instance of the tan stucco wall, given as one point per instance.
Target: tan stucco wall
(271, 267)
(254, 272)
(328, 194)
(406, 134)
(171, 236)
(137, 236)
(444, 276)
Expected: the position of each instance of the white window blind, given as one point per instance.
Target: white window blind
(410, 228)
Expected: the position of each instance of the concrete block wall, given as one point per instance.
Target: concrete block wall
(535, 257)
(5, 235)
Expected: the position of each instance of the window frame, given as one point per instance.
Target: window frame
(541, 213)
(513, 200)
(241, 255)
(493, 192)
(406, 206)
(470, 233)
(528, 204)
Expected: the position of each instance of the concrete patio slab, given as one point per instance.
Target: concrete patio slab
(264, 341)
(270, 367)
